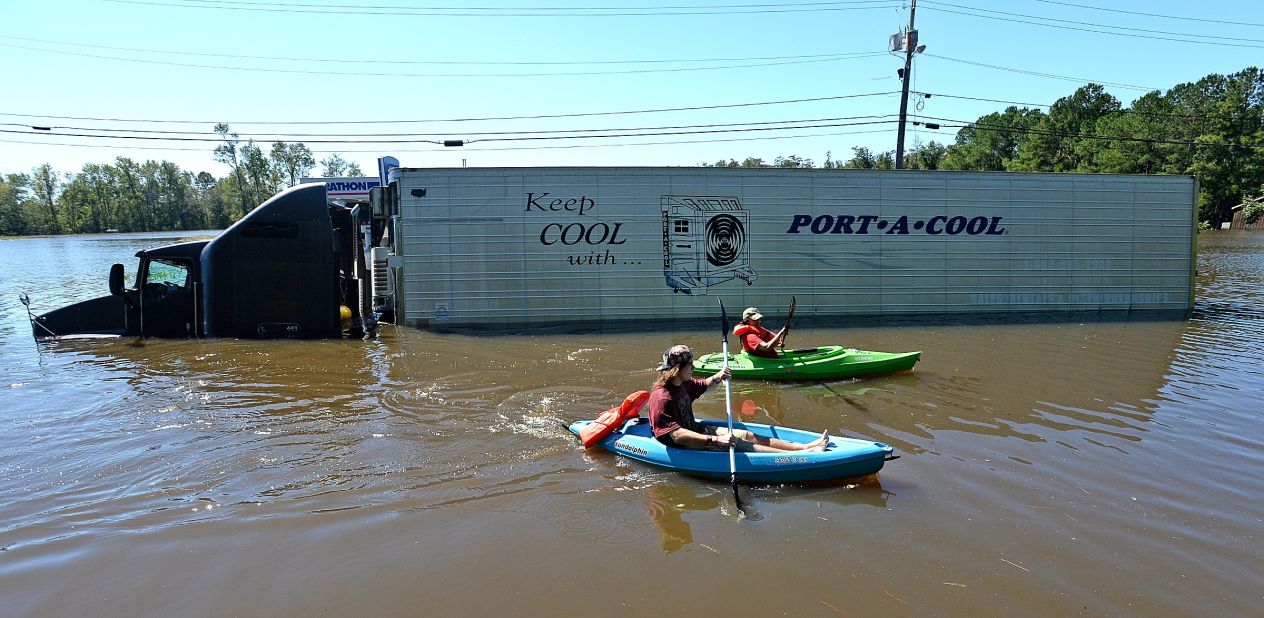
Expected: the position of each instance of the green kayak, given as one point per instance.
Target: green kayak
(824, 363)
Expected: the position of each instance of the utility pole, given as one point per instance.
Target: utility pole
(910, 43)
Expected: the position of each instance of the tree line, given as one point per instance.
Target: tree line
(1212, 128)
(129, 196)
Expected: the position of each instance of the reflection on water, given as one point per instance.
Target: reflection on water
(1066, 466)
(666, 505)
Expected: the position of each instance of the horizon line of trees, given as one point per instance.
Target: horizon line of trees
(129, 196)
(1212, 128)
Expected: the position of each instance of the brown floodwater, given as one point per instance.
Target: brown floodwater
(1058, 468)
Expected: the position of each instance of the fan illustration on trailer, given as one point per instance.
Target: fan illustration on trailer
(704, 242)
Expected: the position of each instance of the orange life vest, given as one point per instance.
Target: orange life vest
(741, 330)
(613, 418)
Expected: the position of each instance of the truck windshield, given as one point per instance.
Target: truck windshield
(168, 272)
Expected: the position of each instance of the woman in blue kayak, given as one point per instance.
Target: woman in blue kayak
(671, 412)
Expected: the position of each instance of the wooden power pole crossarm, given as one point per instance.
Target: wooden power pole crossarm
(910, 41)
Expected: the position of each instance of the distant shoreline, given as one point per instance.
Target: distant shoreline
(208, 233)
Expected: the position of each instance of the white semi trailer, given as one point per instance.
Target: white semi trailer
(515, 248)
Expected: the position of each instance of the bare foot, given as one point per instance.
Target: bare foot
(819, 444)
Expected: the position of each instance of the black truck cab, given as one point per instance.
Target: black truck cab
(164, 302)
(292, 267)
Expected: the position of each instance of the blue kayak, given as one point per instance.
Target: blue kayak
(842, 458)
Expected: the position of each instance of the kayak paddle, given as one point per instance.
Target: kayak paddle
(787, 325)
(728, 407)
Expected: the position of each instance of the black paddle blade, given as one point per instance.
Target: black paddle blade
(793, 303)
(724, 321)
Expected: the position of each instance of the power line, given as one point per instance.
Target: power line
(1121, 111)
(168, 52)
(264, 137)
(1081, 80)
(1178, 17)
(271, 137)
(202, 139)
(667, 143)
(479, 149)
(976, 125)
(323, 72)
(484, 12)
(1082, 23)
(1079, 29)
(482, 139)
(472, 119)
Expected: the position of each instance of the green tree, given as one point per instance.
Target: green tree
(1253, 209)
(1053, 143)
(862, 159)
(13, 219)
(1145, 127)
(132, 215)
(227, 153)
(991, 143)
(90, 196)
(46, 184)
(928, 156)
(262, 180)
(177, 208)
(1231, 159)
(293, 161)
(335, 166)
(793, 161)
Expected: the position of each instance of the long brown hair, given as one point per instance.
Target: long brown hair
(665, 376)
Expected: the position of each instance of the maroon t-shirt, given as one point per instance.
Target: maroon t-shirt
(671, 407)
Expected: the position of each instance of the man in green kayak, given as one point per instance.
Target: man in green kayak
(757, 340)
(671, 412)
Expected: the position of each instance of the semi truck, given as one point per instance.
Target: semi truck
(296, 266)
(516, 249)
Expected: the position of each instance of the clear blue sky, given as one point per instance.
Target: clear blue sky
(252, 63)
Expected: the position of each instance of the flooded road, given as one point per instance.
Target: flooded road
(1096, 468)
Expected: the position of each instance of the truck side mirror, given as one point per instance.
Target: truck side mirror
(116, 279)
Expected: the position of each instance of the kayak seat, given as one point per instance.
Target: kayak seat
(632, 422)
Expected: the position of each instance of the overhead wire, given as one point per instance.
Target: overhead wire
(657, 110)
(606, 132)
(480, 148)
(169, 52)
(323, 72)
(408, 11)
(1120, 111)
(480, 139)
(934, 5)
(667, 10)
(1083, 23)
(268, 137)
(1039, 74)
(1004, 128)
(542, 135)
(1144, 14)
